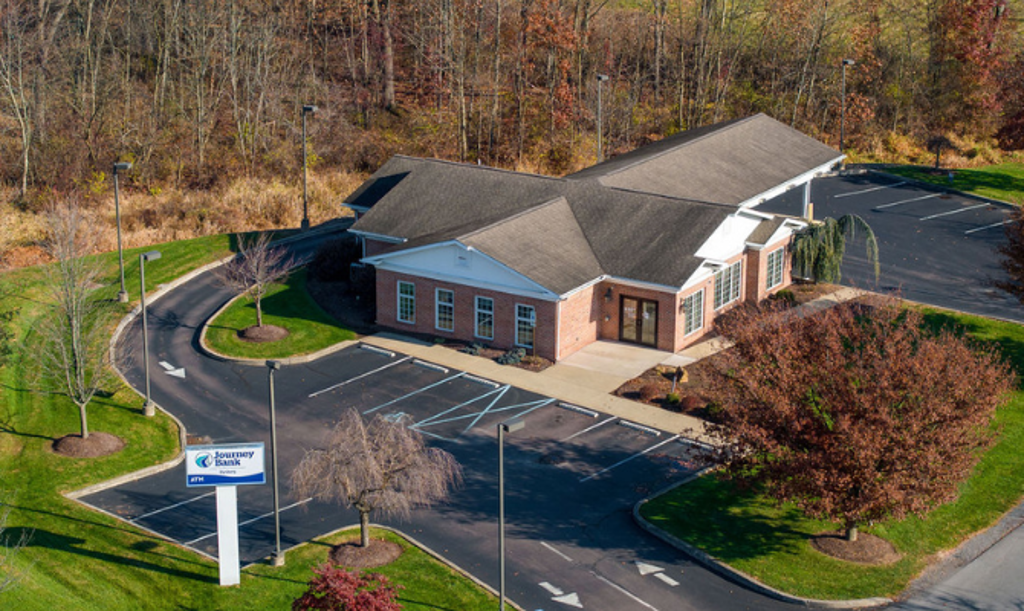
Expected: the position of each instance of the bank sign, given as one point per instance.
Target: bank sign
(230, 464)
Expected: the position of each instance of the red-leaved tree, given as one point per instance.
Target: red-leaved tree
(857, 413)
(335, 589)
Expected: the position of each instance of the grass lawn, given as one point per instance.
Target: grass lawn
(286, 305)
(1003, 181)
(770, 542)
(81, 559)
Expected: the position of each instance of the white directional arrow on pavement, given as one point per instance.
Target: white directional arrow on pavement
(570, 599)
(550, 588)
(171, 371)
(647, 569)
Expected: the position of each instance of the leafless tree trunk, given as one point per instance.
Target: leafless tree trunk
(381, 466)
(75, 354)
(256, 267)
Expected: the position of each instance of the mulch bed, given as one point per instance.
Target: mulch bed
(529, 362)
(98, 444)
(266, 333)
(379, 553)
(653, 386)
(867, 549)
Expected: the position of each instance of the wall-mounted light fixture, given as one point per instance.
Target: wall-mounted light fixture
(608, 295)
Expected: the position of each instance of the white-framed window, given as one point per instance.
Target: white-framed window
(693, 312)
(406, 302)
(484, 318)
(444, 309)
(728, 282)
(776, 259)
(526, 322)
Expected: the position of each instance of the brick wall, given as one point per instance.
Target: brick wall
(611, 310)
(757, 270)
(580, 320)
(683, 340)
(465, 312)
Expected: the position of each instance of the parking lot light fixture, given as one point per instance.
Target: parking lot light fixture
(509, 426)
(148, 408)
(842, 106)
(306, 109)
(278, 559)
(121, 166)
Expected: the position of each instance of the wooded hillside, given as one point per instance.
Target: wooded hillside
(200, 93)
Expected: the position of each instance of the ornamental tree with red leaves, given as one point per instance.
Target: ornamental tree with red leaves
(857, 413)
(335, 589)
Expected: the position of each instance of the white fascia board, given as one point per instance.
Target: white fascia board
(699, 275)
(583, 286)
(640, 284)
(541, 294)
(354, 207)
(378, 236)
(729, 238)
(796, 181)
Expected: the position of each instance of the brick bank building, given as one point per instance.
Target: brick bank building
(646, 248)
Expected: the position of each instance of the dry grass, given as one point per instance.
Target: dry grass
(150, 216)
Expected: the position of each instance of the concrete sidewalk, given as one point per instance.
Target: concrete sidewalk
(563, 388)
(588, 377)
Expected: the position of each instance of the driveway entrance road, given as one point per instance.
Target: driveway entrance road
(572, 476)
(935, 247)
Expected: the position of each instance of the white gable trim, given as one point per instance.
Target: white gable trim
(403, 262)
(380, 237)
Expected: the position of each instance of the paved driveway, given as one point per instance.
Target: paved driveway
(935, 247)
(573, 475)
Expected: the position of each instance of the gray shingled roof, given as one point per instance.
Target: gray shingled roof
(627, 217)
(727, 163)
(764, 231)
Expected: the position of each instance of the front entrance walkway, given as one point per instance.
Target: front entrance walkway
(605, 365)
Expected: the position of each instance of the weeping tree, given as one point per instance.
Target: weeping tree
(818, 250)
(381, 465)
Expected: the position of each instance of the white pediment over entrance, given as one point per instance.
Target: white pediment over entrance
(453, 262)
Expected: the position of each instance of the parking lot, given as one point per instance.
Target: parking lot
(935, 247)
(568, 470)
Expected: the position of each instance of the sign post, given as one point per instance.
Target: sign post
(226, 467)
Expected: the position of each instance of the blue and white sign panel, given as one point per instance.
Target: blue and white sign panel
(230, 464)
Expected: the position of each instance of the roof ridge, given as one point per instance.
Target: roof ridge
(463, 164)
(521, 213)
(724, 125)
(671, 198)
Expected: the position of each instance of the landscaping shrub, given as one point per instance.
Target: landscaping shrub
(473, 349)
(512, 357)
(649, 392)
(785, 295)
(691, 403)
(333, 260)
(333, 587)
(673, 399)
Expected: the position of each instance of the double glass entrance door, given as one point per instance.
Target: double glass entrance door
(639, 321)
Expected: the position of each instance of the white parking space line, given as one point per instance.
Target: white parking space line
(626, 460)
(993, 225)
(169, 507)
(531, 405)
(588, 429)
(899, 184)
(415, 392)
(250, 521)
(624, 591)
(368, 373)
(957, 211)
(567, 558)
(907, 201)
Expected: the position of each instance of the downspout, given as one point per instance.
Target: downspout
(558, 330)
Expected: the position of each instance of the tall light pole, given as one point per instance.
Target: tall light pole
(122, 166)
(509, 426)
(842, 106)
(147, 408)
(278, 560)
(306, 109)
(601, 78)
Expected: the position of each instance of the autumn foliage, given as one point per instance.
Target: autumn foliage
(335, 589)
(856, 413)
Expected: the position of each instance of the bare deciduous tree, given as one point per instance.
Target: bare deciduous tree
(256, 267)
(75, 355)
(381, 466)
(856, 413)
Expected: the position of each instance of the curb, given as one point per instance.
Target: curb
(735, 575)
(933, 186)
(291, 360)
(162, 290)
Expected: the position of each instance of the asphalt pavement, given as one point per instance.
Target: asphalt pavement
(572, 476)
(935, 246)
